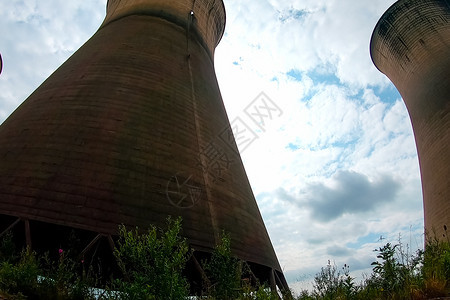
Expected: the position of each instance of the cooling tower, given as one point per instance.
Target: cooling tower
(411, 45)
(132, 129)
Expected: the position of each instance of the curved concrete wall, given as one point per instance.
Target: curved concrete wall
(411, 45)
(130, 129)
(205, 17)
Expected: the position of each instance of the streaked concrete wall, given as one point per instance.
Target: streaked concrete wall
(411, 45)
(127, 127)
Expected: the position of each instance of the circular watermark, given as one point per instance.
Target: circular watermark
(182, 192)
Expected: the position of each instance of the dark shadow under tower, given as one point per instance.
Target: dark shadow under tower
(131, 129)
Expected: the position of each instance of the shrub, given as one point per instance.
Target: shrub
(331, 283)
(152, 263)
(395, 275)
(436, 267)
(388, 273)
(20, 277)
(265, 293)
(225, 271)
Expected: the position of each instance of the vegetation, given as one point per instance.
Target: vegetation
(27, 276)
(152, 265)
(395, 275)
(225, 271)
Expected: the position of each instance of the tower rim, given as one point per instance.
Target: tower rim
(184, 14)
(396, 42)
(374, 33)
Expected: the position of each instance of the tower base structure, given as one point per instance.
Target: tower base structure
(411, 45)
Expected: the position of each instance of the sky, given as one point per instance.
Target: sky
(334, 169)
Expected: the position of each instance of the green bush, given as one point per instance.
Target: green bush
(20, 277)
(224, 270)
(395, 275)
(388, 274)
(152, 263)
(31, 278)
(331, 283)
(229, 277)
(264, 293)
(61, 279)
(436, 267)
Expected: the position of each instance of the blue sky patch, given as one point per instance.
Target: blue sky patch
(296, 74)
(292, 14)
(370, 238)
(387, 94)
(292, 147)
(323, 77)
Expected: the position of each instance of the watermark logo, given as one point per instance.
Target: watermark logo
(182, 192)
(215, 158)
(240, 133)
(262, 109)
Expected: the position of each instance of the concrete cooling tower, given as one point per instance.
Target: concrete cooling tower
(129, 130)
(411, 45)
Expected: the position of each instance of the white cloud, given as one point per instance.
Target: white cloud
(35, 38)
(323, 33)
(311, 58)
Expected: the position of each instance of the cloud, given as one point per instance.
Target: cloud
(336, 250)
(38, 36)
(270, 37)
(311, 57)
(349, 193)
(339, 113)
